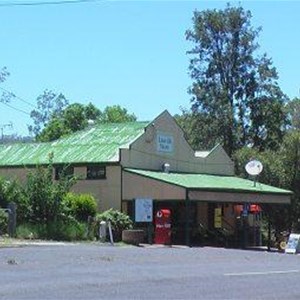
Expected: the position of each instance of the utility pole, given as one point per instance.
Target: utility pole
(3, 126)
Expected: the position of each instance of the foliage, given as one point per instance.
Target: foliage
(5, 96)
(45, 195)
(11, 191)
(80, 206)
(92, 112)
(281, 169)
(73, 118)
(3, 192)
(199, 132)
(27, 231)
(235, 95)
(116, 114)
(119, 221)
(53, 131)
(291, 159)
(274, 173)
(3, 74)
(3, 222)
(76, 117)
(69, 231)
(293, 111)
(49, 105)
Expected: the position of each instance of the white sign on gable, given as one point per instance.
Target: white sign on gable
(165, 143)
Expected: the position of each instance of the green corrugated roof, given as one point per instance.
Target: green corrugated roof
(211, 182)
(100, 143)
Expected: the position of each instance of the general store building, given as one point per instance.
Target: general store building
(118, 163)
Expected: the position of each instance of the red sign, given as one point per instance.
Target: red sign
(162, 227)
(252, 209)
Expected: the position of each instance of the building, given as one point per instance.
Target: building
(118, 163)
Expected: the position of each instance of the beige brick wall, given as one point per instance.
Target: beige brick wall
(18, 174)
(106, 191)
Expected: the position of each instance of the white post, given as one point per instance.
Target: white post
(110, 233)
(102, 231)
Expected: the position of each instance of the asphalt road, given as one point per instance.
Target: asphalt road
(91, 271)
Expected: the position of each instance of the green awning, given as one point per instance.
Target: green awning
(207, 182)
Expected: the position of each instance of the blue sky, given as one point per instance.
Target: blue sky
(131, 53)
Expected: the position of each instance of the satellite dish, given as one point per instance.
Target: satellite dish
(254, 167)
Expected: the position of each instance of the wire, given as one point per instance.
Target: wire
(17, 109)
(15, 96)
(46, 3)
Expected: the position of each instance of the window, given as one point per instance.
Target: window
(63, 171)
(96, 172)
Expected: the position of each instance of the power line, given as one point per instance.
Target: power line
(15, 96)
(17, 109)
(60, 2)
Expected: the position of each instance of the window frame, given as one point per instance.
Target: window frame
(95, 172)
(63, 171)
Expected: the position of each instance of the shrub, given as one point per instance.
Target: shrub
(80, 206)
(3, 222)
(60, 231)
(71, 231)
(27, 231)
(45, 195)
(11, 191)
(119, 222)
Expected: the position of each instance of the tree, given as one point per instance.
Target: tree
(291, 157)
(116, 114)
(281, 169)
(293, 110)
(235, 91)
(49, 106)
(73, 118)
(53, 131)
(274, 173)
(76, 117)
(92, 112)
(3, 74)
(199, 129)
(5, 96)
(46, 195)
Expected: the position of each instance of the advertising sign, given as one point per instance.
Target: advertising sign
(218, 218)
(293, 244)
(143, 210)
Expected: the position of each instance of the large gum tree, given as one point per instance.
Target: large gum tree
(236, 99)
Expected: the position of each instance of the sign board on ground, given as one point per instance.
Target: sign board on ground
(143, 210)
(293, 244)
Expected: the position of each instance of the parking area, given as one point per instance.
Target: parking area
(97, 271)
